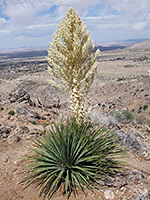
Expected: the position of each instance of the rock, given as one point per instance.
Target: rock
(48, 98)
(25, 99)
(21, 130)
(17, 162)
(4, 131)
(13, 139)
(130, 140)
(45, 96)
(145, 153)
(33, 94)
(28, 113)
(117, 182)
(135, 176)
(133, 142)
(109, 194)
(18, 94)
(97, 116)
(6, 159)
(144, 195)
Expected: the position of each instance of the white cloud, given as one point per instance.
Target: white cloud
(130, 8)
(139, 26)
(21, 15)
(114, 19)
(85, 4)
(2, 20)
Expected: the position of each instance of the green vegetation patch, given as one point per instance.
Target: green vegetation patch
(146, 95)
(11, 112)
(123, 116)
(145, 107)
(129, 66)
(71, 157)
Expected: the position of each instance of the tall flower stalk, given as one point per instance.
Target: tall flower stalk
(72, 61)
(72, 156)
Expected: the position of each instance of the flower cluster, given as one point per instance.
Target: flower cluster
(72, 60)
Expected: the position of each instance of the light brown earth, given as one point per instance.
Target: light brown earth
(130, 93)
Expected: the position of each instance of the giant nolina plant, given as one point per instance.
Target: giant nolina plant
(72, 61)
(72, 156)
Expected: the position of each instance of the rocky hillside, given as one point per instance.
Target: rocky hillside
(120, 96)
(142, 46)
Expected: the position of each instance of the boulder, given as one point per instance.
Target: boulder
(19, 95)
(13, 138)
(4, 131)
(27, 112)
(109, 194)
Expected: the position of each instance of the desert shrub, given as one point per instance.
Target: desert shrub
(121, 79)
(11, 112)
(71, 157)
(123, 116)
(128, 66)
(140, 109)
(146, 95)
(145, 107)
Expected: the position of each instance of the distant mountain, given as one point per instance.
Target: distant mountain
(123, 43)
(43, 53)
(23, 54)
(137, 40)
(109, 48)
(141, 46)
(129, 44)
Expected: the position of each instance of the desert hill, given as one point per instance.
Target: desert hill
(120, 96)
(142, 46)
(18, 54)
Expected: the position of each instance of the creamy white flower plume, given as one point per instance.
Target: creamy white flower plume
(72, 60)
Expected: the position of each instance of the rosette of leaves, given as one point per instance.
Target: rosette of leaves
(72, 61)
(71, 157)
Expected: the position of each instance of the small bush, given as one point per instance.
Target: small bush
(140, 107)
(11, 112)
(71, 157)
(145, 107)
(121, 79)
(123, 116)
(128, 66)
(146, 95)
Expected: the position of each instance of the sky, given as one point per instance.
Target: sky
(31, 23)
